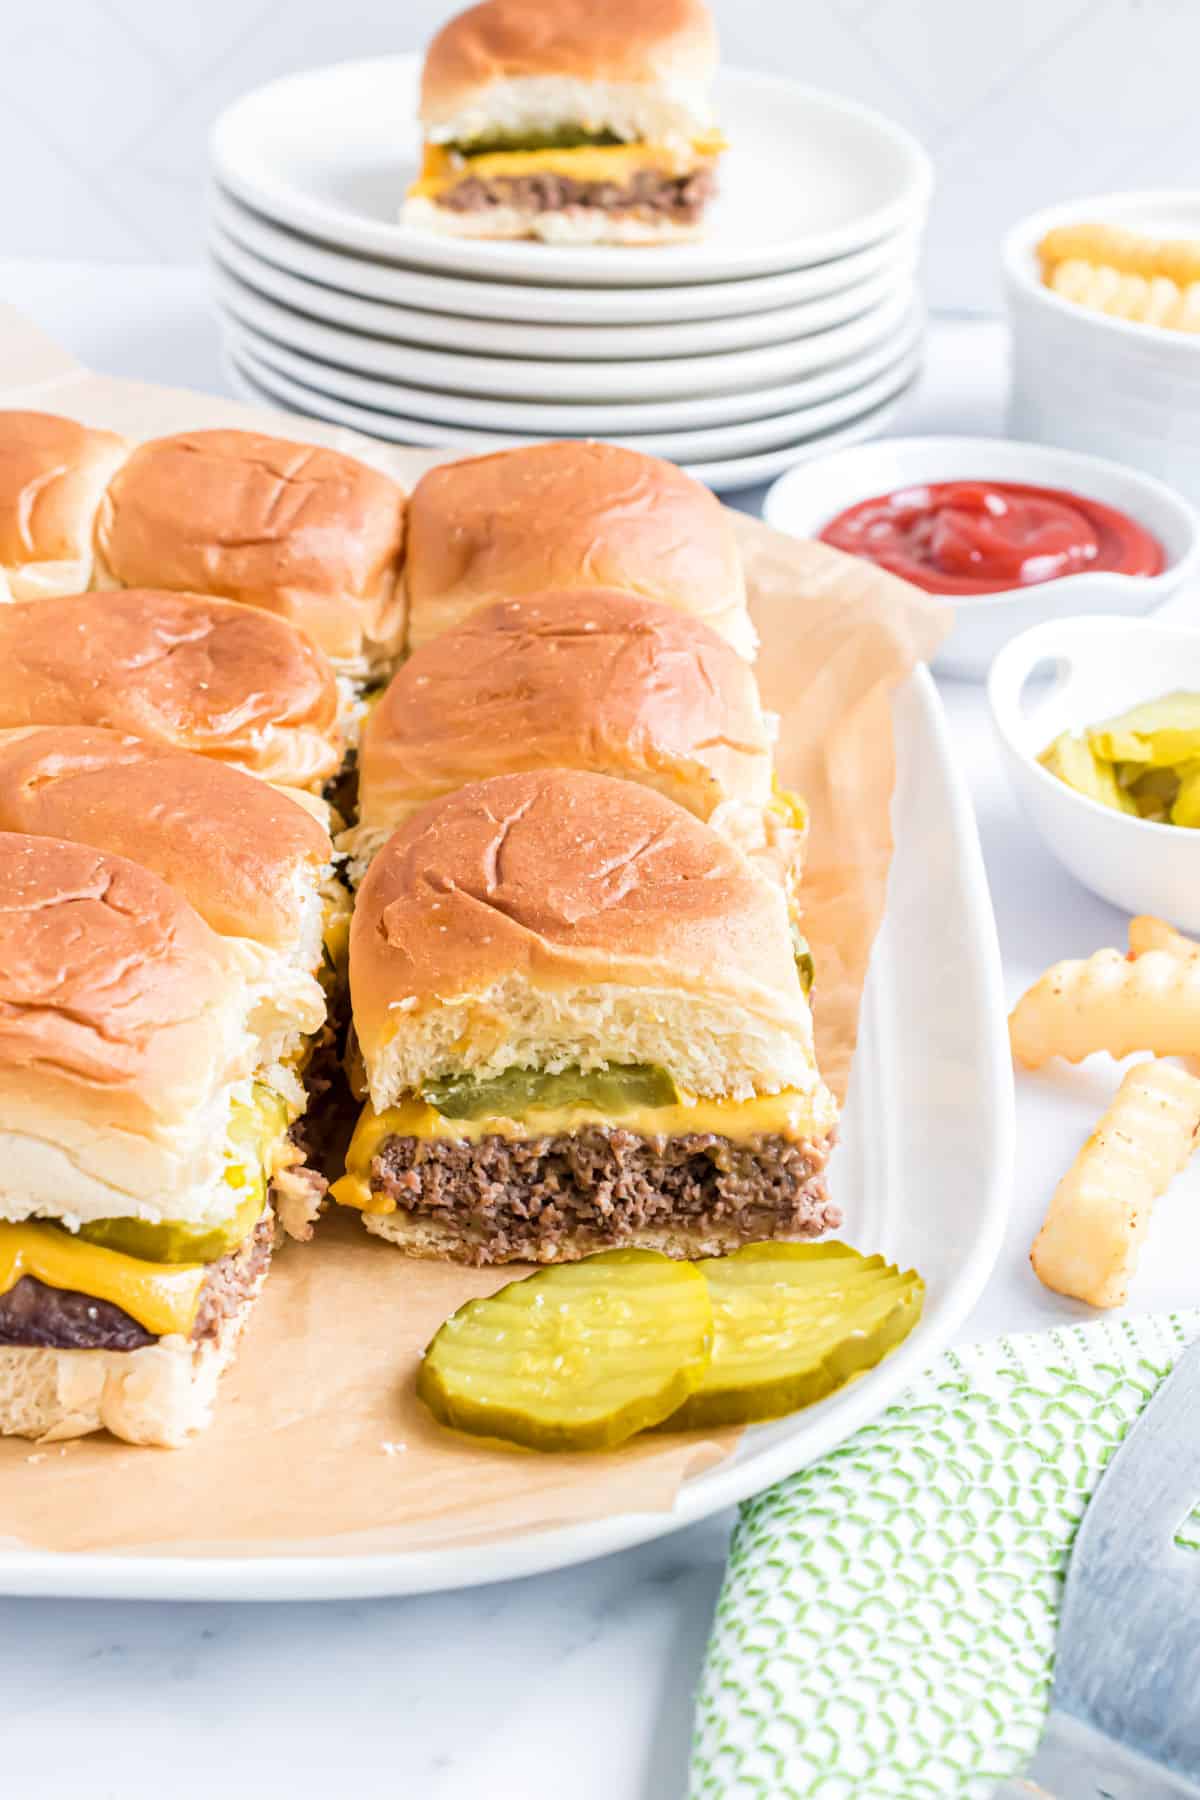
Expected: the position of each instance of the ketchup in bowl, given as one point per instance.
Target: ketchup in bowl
(983, 537)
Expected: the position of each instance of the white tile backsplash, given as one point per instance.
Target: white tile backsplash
(105, 105)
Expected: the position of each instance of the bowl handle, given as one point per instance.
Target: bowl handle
(1046, 650)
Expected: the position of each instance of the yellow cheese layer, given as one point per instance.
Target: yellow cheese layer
(163, 1297)
(789, 1114)
(587, 162)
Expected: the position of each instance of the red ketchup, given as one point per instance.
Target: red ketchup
(980, 537)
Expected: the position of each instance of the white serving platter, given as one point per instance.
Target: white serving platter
(529, 378)
(373, 279)
(623, 418)
(600, 343)
(923, 1173)
(809, 177)
(260, 361)
(262, 385)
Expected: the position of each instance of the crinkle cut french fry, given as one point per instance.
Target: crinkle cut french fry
(1109, 1003)
(1129, 251)
(1153, 300)
(1100, 1212)
(1149, 933)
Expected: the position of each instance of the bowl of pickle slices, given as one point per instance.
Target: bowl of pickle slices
(1098, 721)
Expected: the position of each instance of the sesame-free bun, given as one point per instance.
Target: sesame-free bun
(242, 853)
(123, 1020)
(573, 225)
(559, 918)
(638, 68)
(307, 533)
(53, 473)
(582, 678)
(201, 674)
(159, 1394)
(570, 514)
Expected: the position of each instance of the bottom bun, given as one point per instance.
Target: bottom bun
(441, 1243)
(160, 1394)
(574, 225)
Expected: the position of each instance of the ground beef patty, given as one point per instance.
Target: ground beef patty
(680, 198)
(33, 1314)
(513, 1200)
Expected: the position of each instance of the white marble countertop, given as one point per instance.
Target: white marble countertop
(574, 1686)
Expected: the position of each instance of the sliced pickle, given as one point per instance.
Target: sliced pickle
(1159, 733)
(565, 137)
(618, 1088)
(1185, 808)
(803, 959)
(253, 1127)
(579, 1356)
(1073, 761)
(171, 1241)
(1153, 791)
(792, 1323)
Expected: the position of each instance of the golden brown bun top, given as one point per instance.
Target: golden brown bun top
(52, 474)
(204, 675)
(559, 878)
(568, 515)
(638, 41)
(106, 976)
(305, 532)
(236, 849)
(586, 678)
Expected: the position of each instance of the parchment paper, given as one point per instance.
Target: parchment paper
(319, 1445)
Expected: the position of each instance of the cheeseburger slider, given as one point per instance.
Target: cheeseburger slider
(138, 1146)
(583, 678)
(307, 533)
(570, 515)
(571, 121)
(231, 683)
(581, 1026)
(53, 473)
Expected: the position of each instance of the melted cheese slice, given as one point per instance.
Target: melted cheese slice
(162, 1297)
(444, 168)
(789, 1114)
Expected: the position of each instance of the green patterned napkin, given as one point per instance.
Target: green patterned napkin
(886, 1626)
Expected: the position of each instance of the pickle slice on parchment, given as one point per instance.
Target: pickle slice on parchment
(792, 1323)
(579, 1356)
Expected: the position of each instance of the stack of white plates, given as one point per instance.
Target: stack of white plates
(791, 328)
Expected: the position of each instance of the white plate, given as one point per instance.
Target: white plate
(804, 502)
(809, 177)
(264, 364)
(491, 337)
(726, 474)
(522, 301)
(624, 419)
(923, 1172)
(523, 378)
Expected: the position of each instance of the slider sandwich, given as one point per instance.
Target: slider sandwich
(309, 534)
(570, 514)
(138, 1128)
(570, 121)
(584, 678)
(581, 1026)
(233, 684)
(251, 859)
(53, 473)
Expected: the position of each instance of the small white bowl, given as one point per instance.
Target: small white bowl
(807, 498)
(1097, 667)
(1084, 380)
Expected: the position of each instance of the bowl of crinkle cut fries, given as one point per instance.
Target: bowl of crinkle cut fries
(1098, 721)
(1104, 299)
